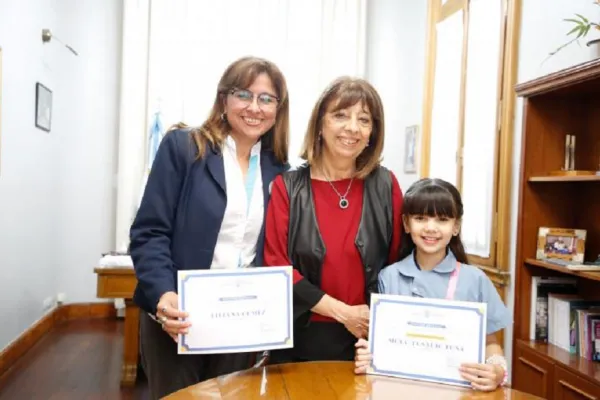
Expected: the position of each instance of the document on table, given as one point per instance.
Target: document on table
(425, 339)
(237, 310)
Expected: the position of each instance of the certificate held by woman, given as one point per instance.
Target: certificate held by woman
(237, 310)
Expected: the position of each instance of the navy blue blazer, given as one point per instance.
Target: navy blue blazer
(179, 218)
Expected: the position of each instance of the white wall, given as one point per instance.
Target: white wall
(56, 189)
(395, 66)
(542, 32)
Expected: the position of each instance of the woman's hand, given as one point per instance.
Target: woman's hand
(484, 377)
(168, 314)
(363, 357)
(356, 320)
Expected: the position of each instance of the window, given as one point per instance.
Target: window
(186, 62)
(467, 126)
(172, 62)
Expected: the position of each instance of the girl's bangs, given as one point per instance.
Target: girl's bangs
(431, 201)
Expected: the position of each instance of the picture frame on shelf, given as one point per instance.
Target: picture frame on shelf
(43, 107)
(563, 244)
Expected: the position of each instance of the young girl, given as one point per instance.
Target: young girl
(433, 263)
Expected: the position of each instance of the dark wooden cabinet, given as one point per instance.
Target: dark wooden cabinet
(568, 386)
(547, 378)
(532, 373)
(565, 102)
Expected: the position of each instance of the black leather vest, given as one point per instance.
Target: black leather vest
(306, 249)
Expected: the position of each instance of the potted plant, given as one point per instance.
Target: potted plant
(581, 28)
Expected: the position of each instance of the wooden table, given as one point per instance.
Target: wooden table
(119, 283)
(328, 380)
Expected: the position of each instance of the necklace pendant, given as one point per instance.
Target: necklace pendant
(344, 203)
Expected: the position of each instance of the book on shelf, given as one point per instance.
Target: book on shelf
(587, 330)
(571, 324)
(541, 286)
(560, 321)
(585, 266)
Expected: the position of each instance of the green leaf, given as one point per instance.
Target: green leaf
(584, 19)
(573, 30)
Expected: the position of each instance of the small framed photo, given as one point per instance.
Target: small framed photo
(43, 107)
(410, 149)
(561, 243)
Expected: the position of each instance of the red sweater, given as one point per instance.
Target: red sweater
(342, 273)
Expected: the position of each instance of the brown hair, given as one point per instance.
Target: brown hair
(240, 74)
(346, 92)
(433, 198)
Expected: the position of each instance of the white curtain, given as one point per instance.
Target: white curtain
(481, 128)
(132, 122)
(446, 96)
(190, 43)
(480, 116)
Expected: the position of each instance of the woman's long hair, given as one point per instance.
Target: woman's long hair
(433, 198)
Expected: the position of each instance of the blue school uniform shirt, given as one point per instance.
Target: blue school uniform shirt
(407, 279)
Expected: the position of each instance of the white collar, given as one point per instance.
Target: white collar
(230, 145)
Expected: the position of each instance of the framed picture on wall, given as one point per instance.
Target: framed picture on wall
(43, 107)
(410, 149)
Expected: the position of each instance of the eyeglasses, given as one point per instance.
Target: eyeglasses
(265, 101)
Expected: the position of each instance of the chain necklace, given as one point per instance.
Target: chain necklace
(344, 202)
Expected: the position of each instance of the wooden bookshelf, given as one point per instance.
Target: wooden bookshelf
(591, 275)
(566, 102)
(579, 178)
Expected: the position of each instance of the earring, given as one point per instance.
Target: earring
(223, 117)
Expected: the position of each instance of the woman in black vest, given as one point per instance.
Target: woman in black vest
(337, 220)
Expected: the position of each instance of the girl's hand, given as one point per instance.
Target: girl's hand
(362, 358)
(168, 315)
(484, 377)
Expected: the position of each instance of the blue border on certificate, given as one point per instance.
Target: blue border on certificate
(429, 378)
(255, 271)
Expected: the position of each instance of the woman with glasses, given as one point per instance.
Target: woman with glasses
(204, 207)
(337, 220)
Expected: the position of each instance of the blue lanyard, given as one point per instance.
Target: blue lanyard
(250, 179)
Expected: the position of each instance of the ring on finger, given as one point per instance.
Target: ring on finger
(163, 319)
(164, 310)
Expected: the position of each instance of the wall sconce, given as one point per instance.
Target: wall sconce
(47, 36)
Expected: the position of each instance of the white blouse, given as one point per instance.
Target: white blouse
(244, 212)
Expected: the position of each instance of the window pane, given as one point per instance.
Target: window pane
(205, 36)
(446, 98)
(479, 152)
